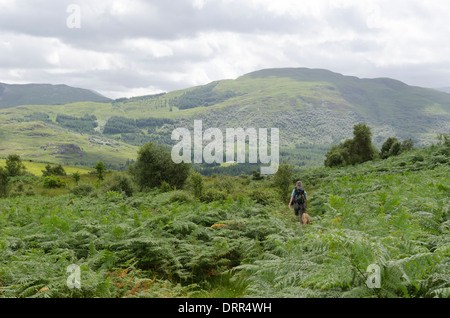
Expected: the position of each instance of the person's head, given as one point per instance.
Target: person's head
(299, 184)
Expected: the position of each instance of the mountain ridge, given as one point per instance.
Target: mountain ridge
(313, 109)
(12, 95)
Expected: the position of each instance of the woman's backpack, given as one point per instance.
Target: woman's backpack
(299, 196)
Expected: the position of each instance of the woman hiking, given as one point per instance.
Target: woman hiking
(299, 199)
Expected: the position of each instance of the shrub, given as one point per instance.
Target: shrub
(385, 148)
(226, 184)
(334, 159)
(444, 140)
(100, 167)
(53, 171)
(195, 182)
(53, 182)
(83, 189)
(165, 187)
(119, 182)
(262, 197)
(417, 158)
(393, 147)
(282, 181)
(4, 179)
(179, 196)
(213, 194)
(30, 193)
(154, 165)
(256, 175)
(14, 165)
(76, 176)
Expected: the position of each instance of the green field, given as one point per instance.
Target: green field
(45, 142)
(239, 239)
(36, 168)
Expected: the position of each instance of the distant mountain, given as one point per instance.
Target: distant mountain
(45, 94)
(315, 106)
(444, 89)
(312, 108)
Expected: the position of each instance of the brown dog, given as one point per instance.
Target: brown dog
(306, 219)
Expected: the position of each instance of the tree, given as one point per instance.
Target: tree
(352, 151)
(196, 184)
(407, 145)
(4, 178)
(362, 149)
(100, 167)
(444, 140)
(334, 158)
(393, 147)
(154, 165)
(282, 180)
(384, 153)
(53, 171)
(119, 182)
(256, 175)
(14, 165)
(76, 176)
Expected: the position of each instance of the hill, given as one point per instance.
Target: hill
(45, 94)
(46, 142)
(312, 108)
(444, 89)
(316, 106)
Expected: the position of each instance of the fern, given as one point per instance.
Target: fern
(393, 213)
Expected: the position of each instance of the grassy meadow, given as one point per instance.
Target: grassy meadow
(36, 168)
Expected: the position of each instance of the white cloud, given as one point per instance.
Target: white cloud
(148, 47)
(198, 4)
(126, 48)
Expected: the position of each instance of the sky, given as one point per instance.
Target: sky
(134, 47)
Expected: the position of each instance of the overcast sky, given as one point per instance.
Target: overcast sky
(134, 47)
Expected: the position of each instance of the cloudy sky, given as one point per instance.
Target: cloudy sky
(136, 47)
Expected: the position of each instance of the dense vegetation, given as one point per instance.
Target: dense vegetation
(360, 148)
(234, 236)
(85, 124)
(202, 96)
(118, 125)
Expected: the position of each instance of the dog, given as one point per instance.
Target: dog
(306, 218)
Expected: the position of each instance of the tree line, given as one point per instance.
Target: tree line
(120, 125)
(360, 148)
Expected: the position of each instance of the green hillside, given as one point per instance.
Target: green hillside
(46, 142)
(238, 239)
(312, 108)
(44, 94)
